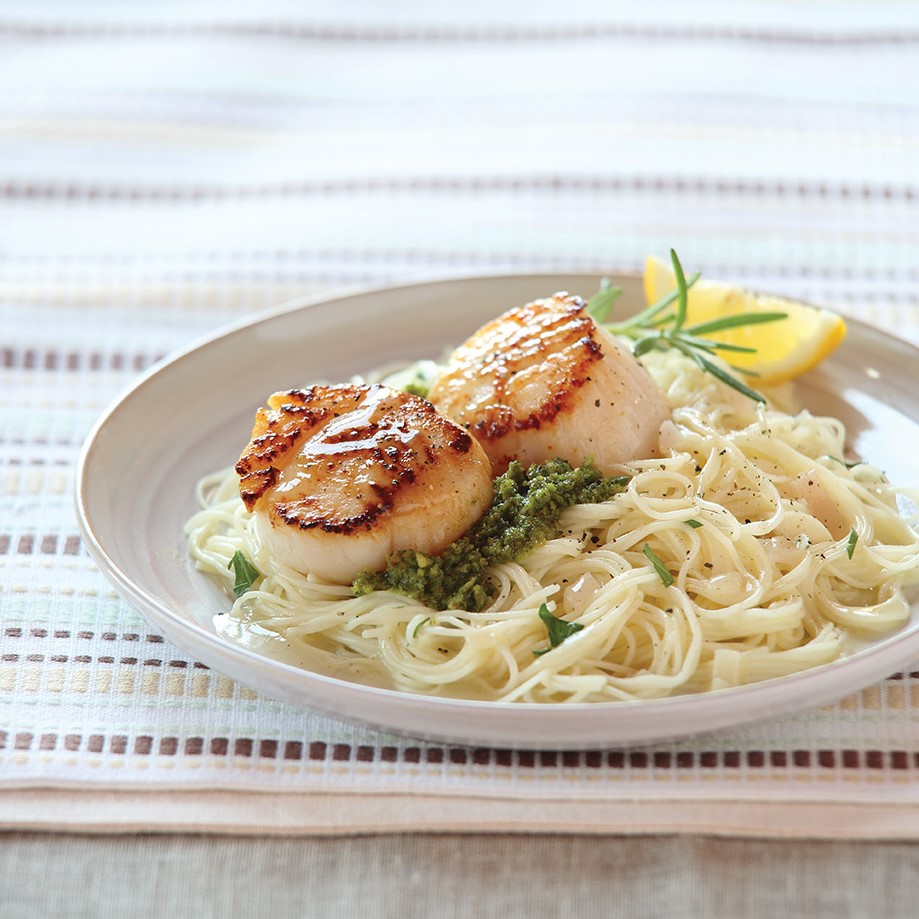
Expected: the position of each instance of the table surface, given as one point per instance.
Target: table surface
(168, 169)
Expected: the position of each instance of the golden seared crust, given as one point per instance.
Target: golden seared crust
(276, 434)
(337, 458)
(544, 381)
(553, 338)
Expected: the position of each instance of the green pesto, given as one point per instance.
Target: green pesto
(523, 514)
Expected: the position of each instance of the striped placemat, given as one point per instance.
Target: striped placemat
(289, 152)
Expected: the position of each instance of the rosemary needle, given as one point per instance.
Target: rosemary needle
(656, 328)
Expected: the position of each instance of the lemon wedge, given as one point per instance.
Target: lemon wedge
(785, 348)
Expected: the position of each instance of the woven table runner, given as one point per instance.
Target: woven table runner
(165, 173)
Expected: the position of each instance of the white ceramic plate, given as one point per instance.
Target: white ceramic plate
(192, 413)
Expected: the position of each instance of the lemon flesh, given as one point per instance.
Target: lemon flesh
(785, 348)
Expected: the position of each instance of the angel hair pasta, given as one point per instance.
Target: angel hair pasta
(749, 550)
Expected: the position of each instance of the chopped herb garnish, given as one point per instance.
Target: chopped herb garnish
(655, 329)
(842, 462)
(417, 628)
(850, 545)
(695, 524)
(417, 387)
(246, 573)
(558, 629)
(659, 566)
(601, 303)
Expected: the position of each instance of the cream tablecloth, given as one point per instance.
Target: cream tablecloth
(166, 169)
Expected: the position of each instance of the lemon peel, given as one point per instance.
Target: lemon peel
(785, 348)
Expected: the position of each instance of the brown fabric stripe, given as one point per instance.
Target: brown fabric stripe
(464, 185)
(242, 747)
(293, 750)
(194, 746)
(31, 359)
(320, 751)
(220, 746)
(462, 33)
(11, 658)
(45, 544)
(19, 632)
(36, 461)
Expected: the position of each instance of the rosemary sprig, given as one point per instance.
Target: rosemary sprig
(656, 328)
(601, 303)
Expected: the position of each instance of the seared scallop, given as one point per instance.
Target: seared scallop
(545, 381)
(339, 477)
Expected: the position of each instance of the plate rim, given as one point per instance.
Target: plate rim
(153, 608)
